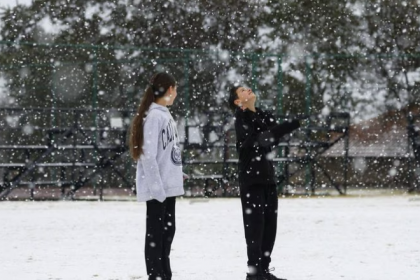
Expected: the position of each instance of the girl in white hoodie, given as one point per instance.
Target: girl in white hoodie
(154, 144)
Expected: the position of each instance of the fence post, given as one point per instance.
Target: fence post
(309, 166)
(308, 74)
(95, 85)
(186, 81)
(187, 106)
(54, 112)
(253, 72)
(95, 113)
(346, 155)
(279, 111)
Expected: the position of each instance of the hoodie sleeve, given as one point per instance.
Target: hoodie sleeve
(149, 163)
(270, 119)
(272, 136)
(247, 136)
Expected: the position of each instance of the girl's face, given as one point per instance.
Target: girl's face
(246, 97)
(170, 95)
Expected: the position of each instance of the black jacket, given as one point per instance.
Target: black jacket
(257, 133)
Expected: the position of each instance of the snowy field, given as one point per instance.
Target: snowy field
(371, 238)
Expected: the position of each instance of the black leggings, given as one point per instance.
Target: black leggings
(259, 209)
(160, 231)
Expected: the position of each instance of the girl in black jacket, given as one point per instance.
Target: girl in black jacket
(257, 133)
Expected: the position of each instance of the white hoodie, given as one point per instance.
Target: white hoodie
(159, 169)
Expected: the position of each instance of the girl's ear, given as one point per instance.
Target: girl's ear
(171, 89)
(237, 102)
(168, 91)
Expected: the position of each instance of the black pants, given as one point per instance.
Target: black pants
(259, 209)
(160, 231)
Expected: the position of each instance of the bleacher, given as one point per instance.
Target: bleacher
(69, 154)
(216, 159)
(76, 147)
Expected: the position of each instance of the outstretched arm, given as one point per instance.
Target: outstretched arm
(275, 133)
(248, 137)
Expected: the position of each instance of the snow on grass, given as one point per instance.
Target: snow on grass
(372, 238)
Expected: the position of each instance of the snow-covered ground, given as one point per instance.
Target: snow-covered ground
(370, 238)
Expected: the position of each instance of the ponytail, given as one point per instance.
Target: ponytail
(157, 88)
(136, 133)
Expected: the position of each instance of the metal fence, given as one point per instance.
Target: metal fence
(99, 78)
(65, 148)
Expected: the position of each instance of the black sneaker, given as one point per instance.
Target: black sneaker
(269, 276)
(158, 278)
(254, 277)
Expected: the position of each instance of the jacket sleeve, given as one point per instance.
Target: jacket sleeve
(151, 130)
(270, 119)
(273, 134)
(248, 137)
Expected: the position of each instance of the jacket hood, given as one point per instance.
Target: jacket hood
(155, 106)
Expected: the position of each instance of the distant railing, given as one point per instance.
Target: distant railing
(62, 147)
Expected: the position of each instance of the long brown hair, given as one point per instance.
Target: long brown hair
(158, 85)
